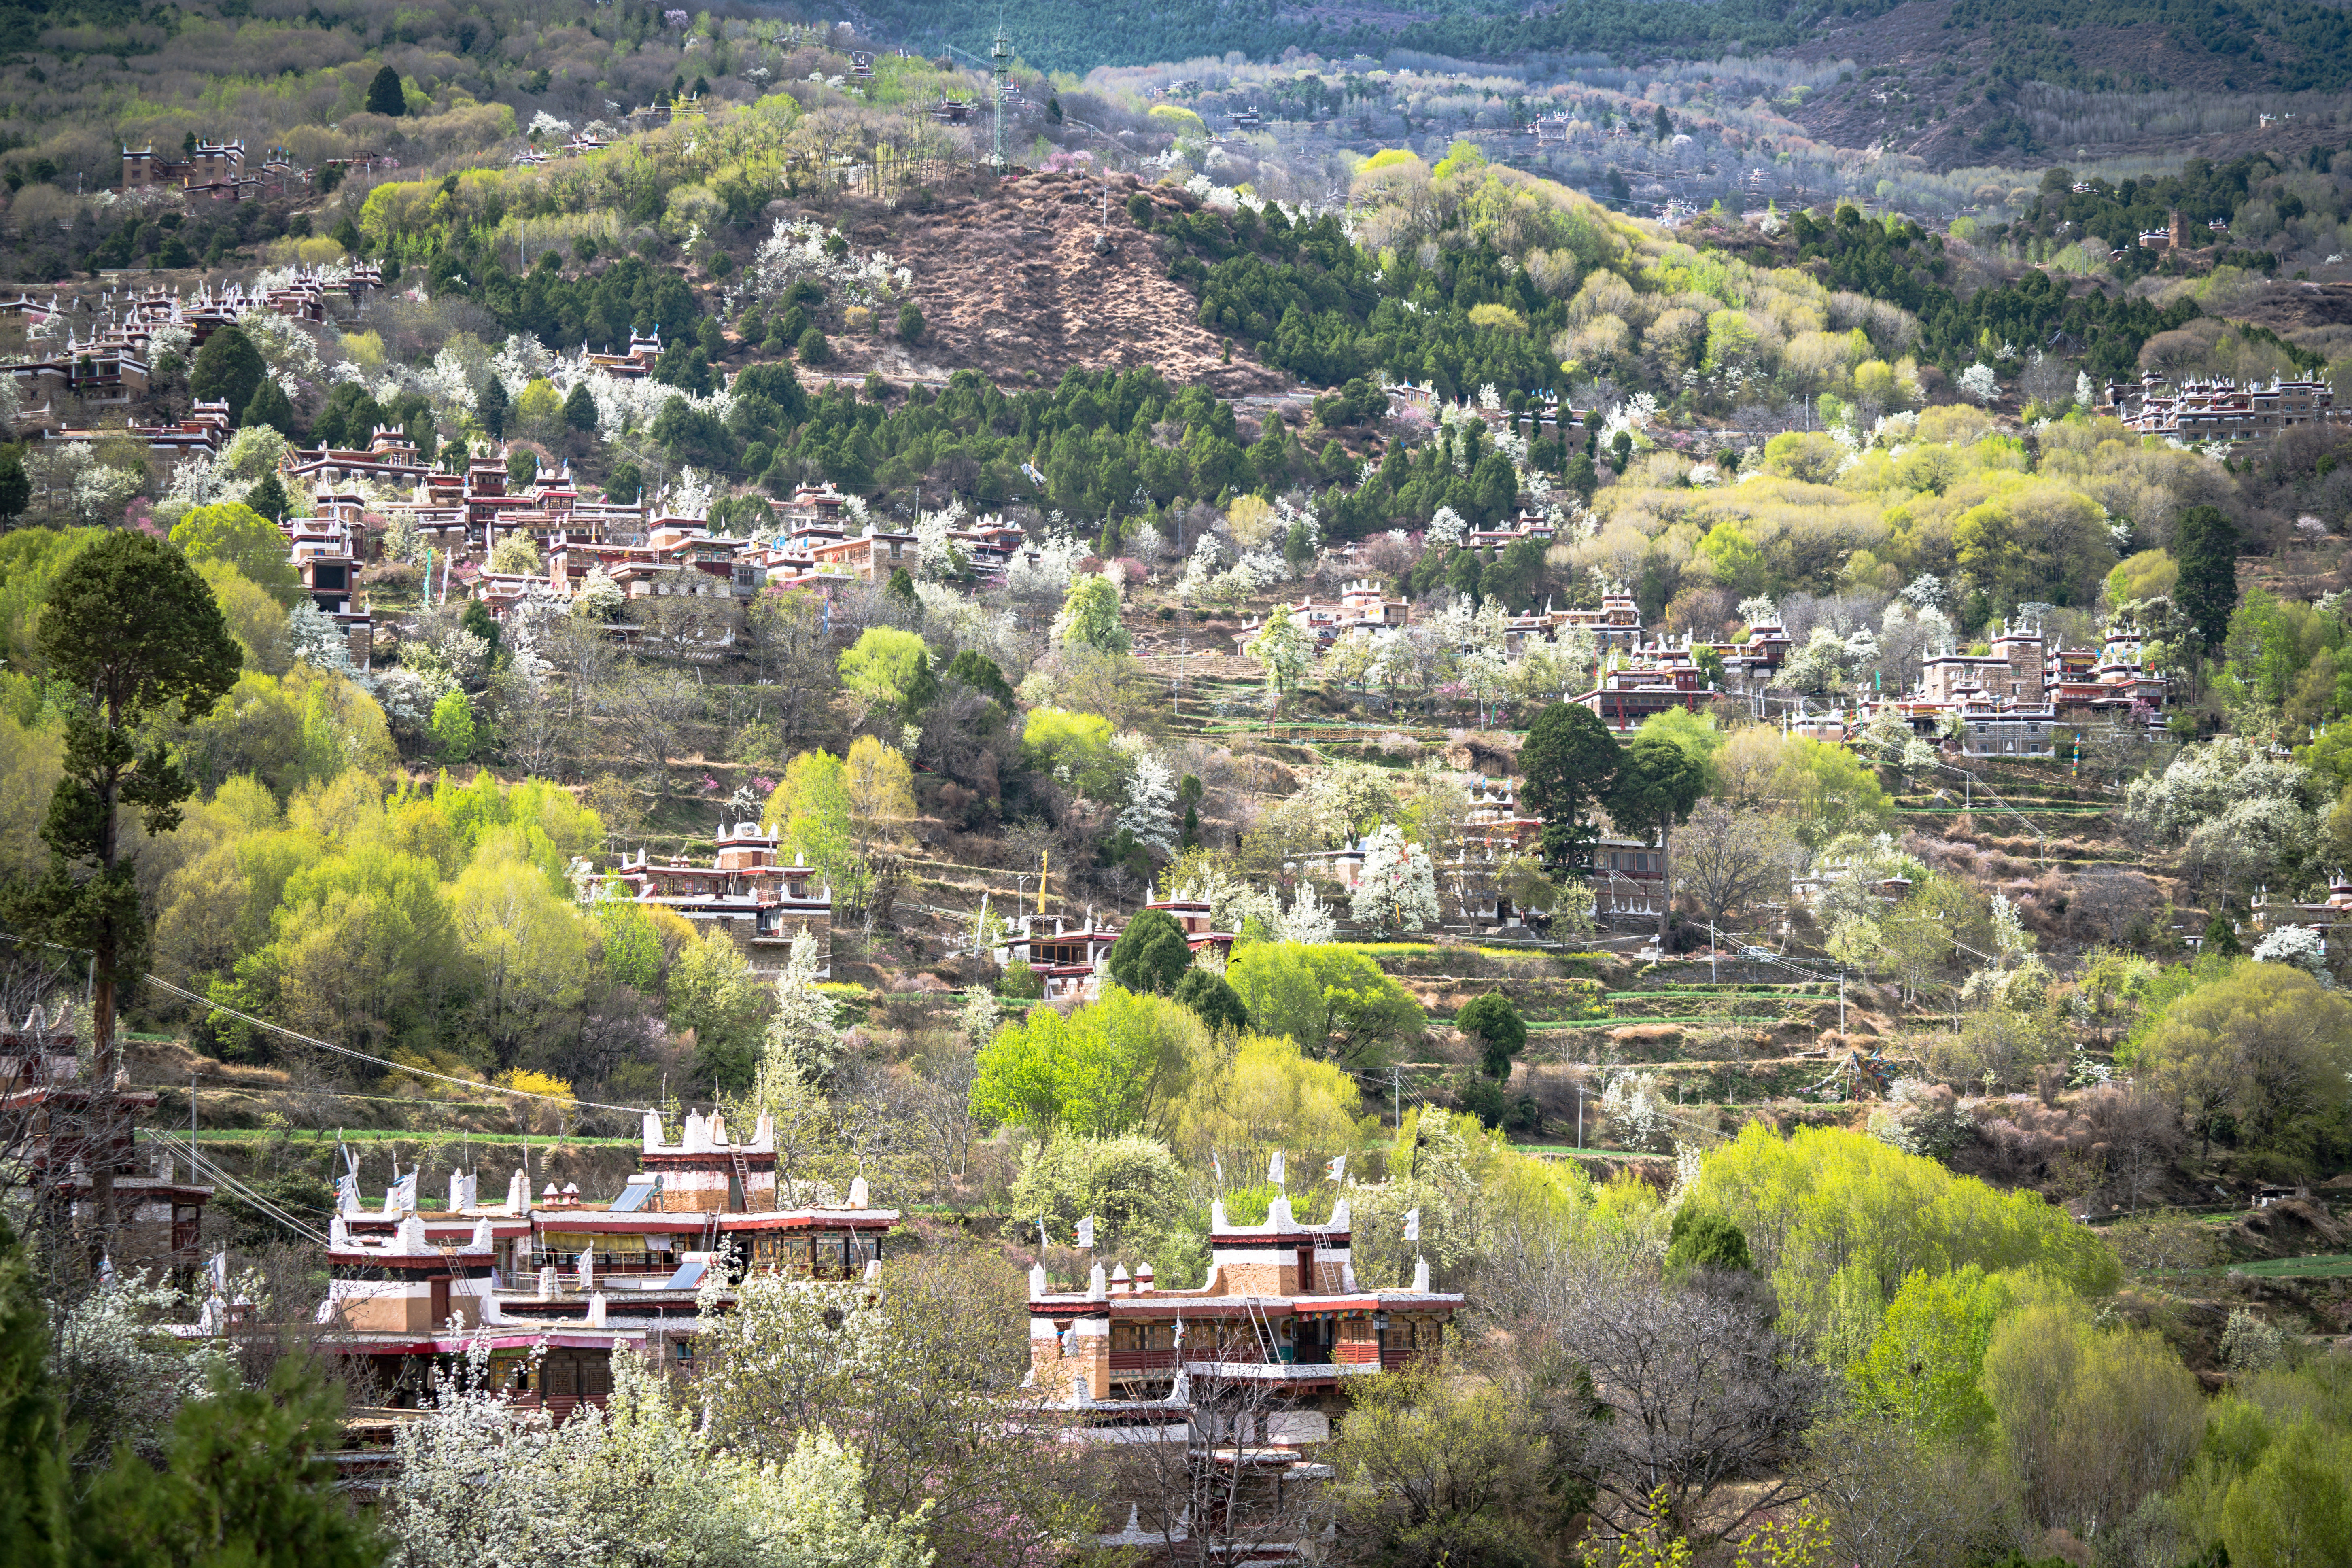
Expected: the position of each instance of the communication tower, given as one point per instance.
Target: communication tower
(1000, 57)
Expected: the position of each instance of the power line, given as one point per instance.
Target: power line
(199, 1166)
(209, 1002)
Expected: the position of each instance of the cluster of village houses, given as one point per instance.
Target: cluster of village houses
(553, 1286)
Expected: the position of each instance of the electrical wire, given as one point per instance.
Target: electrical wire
(199, 1166)
(476, 1084)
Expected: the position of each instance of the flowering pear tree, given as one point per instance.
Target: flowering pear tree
(1286, 647)
(1397, 893)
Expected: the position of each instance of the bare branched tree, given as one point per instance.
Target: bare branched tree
(1730, 860)
(1204, 1490)
(1690, 1391)
(648, 711)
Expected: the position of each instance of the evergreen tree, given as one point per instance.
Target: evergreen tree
(1152, 953)
(1500, 1033)
(34, 1510)
(228, 369)
(477, 619)
(492, 408)
(268, 405)
(385, 95)
(269, 498)
(580, 410)
(15, 485)
(2206, 546)
(813, 349)
(1217, 1002)
(246, 1484)
(1657, 785)
(130, 636)
(1570, 761)
(2221, 936)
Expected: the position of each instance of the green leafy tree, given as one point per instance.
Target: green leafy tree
(1658, 782)
(2206, 546)
(1333, 1002)
(235, 534)
(1702, 1238)
(385, 95)
(714, 993)
(1109, 1067)
(246, 1483)
(454, 739)
(1437, 1468)
(130, 639)
(1089, 616)
(1837, 1221)
(228, 369)
(1926, 1364)
(911, 321)
(889, 666)
(522, 468)
(1568, 765)
(1496, 1026)
(2264, 1049)
(1152, 953)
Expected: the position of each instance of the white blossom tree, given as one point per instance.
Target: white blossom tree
(1978, 381)
(804, 1036)
(1284, 647)
(1397, 891)
(2301, 946)
(1149, 813)
(1308, 919)
(483, 1483)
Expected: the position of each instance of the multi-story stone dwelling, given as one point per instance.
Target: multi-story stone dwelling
(1070, 964)
(1246, 1371)
(555, 1290)
(746, 891)
(2221, 410)
(62, 1129)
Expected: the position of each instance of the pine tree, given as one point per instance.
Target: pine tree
(492, 408)
(228, 369)
(15, 485)
(580, 410)
(268, 498)
(246, 1485)
(2206, 546)
(385, 95)
(34, 1523)
(268, 405)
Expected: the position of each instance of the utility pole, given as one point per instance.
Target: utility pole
(1396, 1097)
